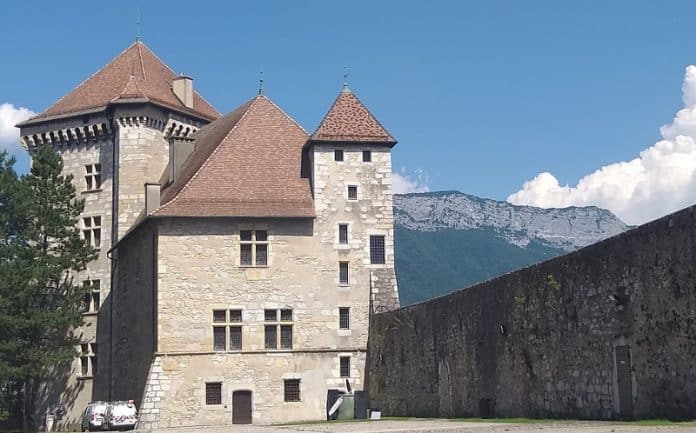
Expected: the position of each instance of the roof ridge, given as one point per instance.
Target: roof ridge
(176, 74)
(207, 160)
(85, 80)
(285, 114)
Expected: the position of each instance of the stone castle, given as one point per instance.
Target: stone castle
(239, 256)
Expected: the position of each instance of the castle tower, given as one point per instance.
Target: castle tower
(350, 159)
(113, 132)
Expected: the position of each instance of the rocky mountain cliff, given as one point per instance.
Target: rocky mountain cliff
(448, 240)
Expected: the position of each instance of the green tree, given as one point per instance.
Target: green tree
(40, 303)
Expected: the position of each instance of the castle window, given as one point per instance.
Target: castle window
(343, 233)
(344, 318)
(235, 338)
(213, 393)
(253, 248)
(278, 334)
(93, 177)
(292, 389)
(227, 328)
(219, 339)
(343, 273)
(352, 192)
(92, 295)
(345, 366)
(338, 155)
(88, 359)
(377, 250)
(91, 230)
(367, 156)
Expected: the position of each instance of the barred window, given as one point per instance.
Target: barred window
(286, 315)
(219, 316)
(270, 315)
(344, 318)
(338, 155)
(253, 247)
(235, 338)
(343, 273)
(91, 230)
(377, 249)
(270, 336)
(213, 393)
(343, 233)
(93, 177)
(352, 192)
(292, 389)
(367, 156)
(345, 366)
(92, 300)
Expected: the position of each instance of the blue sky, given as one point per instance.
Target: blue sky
(482, 96)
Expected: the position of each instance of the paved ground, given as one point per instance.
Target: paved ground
(443, 426)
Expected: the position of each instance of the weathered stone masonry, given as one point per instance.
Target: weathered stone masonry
(551, 340)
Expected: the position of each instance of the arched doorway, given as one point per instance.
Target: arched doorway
(241, 407)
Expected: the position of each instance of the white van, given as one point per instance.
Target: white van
(121, 415)
(93, 416)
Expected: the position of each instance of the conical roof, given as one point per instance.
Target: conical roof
(245, 164)
(349, 120)
(135, 75)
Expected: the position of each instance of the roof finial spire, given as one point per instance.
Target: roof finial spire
(261, 82)
(345, 79)
(137, 25)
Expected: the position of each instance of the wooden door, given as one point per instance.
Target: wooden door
(241, 407)
(624, 382)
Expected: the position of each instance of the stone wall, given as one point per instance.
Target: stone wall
(606, 332)
(370, 214)
(133, 305)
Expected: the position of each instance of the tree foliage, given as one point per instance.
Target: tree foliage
(40, 251)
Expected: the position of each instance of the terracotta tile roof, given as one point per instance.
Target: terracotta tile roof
(349, 120)
(135, 73)
(245, 164)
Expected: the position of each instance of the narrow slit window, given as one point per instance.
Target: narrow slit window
(345, 366)
(343, 234)
(352, 192)
(344, 318)
(343, 273)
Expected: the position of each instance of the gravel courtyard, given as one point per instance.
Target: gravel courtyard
(444, 426)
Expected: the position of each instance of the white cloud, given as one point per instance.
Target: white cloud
(9, 117)
(661, 180)
(404, 183)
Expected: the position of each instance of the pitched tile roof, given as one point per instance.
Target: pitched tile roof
(349, 120)
(136, 73)
(245, 164)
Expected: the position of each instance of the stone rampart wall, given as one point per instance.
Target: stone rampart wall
(606, 332)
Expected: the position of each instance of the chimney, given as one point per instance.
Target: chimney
(183, 89)
(152, 197)
(179, 149)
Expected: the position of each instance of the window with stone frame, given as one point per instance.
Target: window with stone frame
(91, 230)
(92, 300)
(338, 155)
(213, 393)
(277, 328)
(367, 155)
(93, 177)
(227, 330)
(343, 318)
(87, 353)
(352, 192)
(343, 273)
(253, 248)
(291, 390)
(343, 234)
(377, 250)
(344, 366)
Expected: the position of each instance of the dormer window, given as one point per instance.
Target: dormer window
(338, 155)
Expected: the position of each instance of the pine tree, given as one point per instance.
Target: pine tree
(40, 303)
